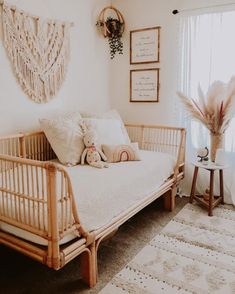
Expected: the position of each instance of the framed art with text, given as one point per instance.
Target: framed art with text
(145, 45)
(144, 85)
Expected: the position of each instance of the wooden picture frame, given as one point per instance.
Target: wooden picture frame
(144, 85)
(145, 45)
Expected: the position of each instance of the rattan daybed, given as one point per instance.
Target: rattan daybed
(39, 211)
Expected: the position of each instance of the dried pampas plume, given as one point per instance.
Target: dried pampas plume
(215, 109)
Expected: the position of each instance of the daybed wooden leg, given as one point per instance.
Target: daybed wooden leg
(89, 266)
(169, 199)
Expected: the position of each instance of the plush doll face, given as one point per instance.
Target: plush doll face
(90, 139)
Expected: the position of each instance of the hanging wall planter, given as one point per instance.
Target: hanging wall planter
(112, 27)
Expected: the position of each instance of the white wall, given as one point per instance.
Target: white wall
(141, 14)
(87, 83)
(192, 4)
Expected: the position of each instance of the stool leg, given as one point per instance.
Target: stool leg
(221, 183)
(193, 184)
(211, 198)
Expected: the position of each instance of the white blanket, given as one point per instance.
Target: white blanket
(102, 194)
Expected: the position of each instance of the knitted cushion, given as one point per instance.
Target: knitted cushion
(65, 136)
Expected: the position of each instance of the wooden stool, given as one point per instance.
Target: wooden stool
(213, 200)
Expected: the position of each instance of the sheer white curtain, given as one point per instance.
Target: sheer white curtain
(207, 49)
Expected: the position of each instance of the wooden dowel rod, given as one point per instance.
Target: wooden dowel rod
(36, 17)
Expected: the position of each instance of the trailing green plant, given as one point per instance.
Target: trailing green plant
(113, 29)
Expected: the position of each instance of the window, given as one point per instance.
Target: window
(208, 54)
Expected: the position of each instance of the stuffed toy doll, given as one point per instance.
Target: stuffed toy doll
(92, 154)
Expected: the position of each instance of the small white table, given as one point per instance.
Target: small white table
(213, 200)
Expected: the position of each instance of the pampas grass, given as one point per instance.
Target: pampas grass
(215, 109)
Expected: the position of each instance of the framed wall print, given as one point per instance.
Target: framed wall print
(144, 85)
(145, 45)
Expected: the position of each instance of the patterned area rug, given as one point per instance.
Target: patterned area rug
(194, 253)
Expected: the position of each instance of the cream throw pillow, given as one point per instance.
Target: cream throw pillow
(111, 114)
(118, 153)
(65, 136)
(109, 131)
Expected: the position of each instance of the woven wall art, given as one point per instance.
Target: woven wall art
(39, 51)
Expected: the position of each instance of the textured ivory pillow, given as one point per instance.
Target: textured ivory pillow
(111, 114)
(118, 153)
(65, 136)
(108, 131)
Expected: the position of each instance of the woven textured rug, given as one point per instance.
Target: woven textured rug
(194, 253)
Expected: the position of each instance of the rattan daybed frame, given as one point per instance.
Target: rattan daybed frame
(32, 152)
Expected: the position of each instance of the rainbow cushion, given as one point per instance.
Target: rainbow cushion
(118, 153)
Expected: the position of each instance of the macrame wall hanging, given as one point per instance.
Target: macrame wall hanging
(38, 49)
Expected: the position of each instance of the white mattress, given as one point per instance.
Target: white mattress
(102, 194)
